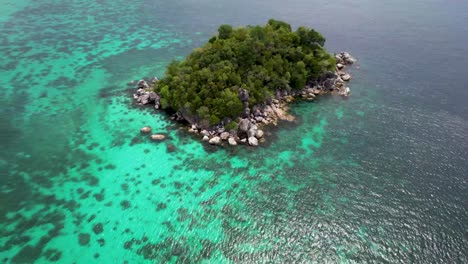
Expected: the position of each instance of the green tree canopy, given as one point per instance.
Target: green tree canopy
(259, 59)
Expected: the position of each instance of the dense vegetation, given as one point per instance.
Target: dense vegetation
(259, 59)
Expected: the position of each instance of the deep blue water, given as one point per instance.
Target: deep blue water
(380, 177)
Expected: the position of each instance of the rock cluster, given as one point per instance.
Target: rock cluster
(144, 94)
(253, 118)
(343, 59)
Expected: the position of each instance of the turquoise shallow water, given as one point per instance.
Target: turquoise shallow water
(379, 177)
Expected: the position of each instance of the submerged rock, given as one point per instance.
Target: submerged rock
(142, 84)
(145, 129)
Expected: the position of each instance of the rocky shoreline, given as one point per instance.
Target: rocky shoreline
(254, 118)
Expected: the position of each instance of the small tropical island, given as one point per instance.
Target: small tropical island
(242, 80)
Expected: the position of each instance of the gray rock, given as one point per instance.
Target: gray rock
(232, 141)
(205, 138)
(253, 141)
(140, 91)
(224, 135)
(205, 132)
(259, 134)
(144, 99)
(215, 140)
(339, 66)
(142, 84)
(243, 95)
(243, 127)
(346, 77)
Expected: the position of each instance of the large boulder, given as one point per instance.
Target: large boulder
(232, 141)
(346, 77)
(140, 91)
(153, 96)
(205, 132)
(214, 140)
(142, 84)
(253, 141)
(259, 134)
(224, 135)
(157, 137)
(243, 128)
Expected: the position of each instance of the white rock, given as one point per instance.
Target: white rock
(232, 141)
(205, 138)
(215, 140)
(253, 141)
(339, 66)
(205, 132)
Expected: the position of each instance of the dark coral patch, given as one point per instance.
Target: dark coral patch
(53, 255)
(125, 204)
(178, 185)
(161, 206)
(156, 181)
(83, 239)
(98, 228)
(101, 242)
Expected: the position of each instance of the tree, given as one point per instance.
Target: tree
(224, 31)
(260, 59)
